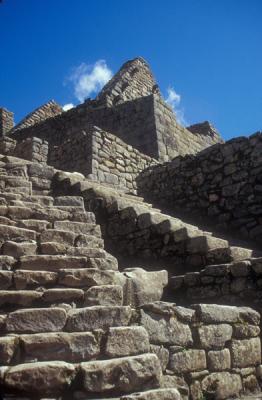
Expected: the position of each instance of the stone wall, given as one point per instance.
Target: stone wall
(222, 183)
(101, 157)
(238, 283)
(132, 81)
(173, 139)
(6, 121)
(47, 110)
(32, 149)
(215, 350)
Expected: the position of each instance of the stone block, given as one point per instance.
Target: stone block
(104, 295)
(36, 320)
(213, 313)
(187, 361)
(222, 385)
(29, 279)
(8, 346)
(16, 250)
(246, 352)
(6, 279)
(213, 336)
(158, 394)
(42, 378)
(126, 341)
(97, 317)
(165, 330)
(132, 372)
(70, 347)
(245, 331)
(162, 353)
(218, 360)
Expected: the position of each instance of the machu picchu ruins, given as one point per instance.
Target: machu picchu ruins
(131, 260)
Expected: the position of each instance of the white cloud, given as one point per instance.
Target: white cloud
(89, 79)
(68, 106)
(174, 99)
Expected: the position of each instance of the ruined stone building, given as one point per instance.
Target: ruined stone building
(130, 263)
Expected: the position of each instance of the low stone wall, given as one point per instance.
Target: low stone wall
(215, 350)
(222, 182)
(31, 149)
(238, 283)
(101, 157)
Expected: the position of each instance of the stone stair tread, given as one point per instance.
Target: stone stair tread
(51, 262)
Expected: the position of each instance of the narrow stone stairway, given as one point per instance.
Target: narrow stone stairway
(67, 320)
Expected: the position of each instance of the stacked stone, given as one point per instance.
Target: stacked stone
(132, 81)
(32, 149)
(135, 228)
(66, 316)
(6, 121)
(214, 350)
(116, 163)
(222, 183)
(235, 283)
(47, 110)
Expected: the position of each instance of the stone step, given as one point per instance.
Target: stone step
(41, 200)
(51, 262)
(157, 394)
(65, 237)
(52, 379)
(19, 249)
(23, 190)
(32, 298)
(34, 224)
(79, 227)
(88, 277)
(72, 201)
(14, 233)
(14, 181)
(26, 279)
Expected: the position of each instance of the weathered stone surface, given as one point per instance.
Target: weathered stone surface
(133, 373)
(165, 330)
(90, 277)
(97, 317)
(28, 279)
(126, 341)
(59, 236)
(8, 346)
(62, 295)
(51, 263)
(245, 352)
(17, 250)
(71, 347)
(187, 361)
(110, 295)
(243, 331)
(44, 378)
(222, 385)
(36, 320)
(146, 286)
(158, 394)
(213, 336)
(22, 297)
(7, 263)
(162, 353)
(212, 313)
(5, 279)
(218, 360)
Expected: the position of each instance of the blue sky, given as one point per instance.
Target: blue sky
(208, 51)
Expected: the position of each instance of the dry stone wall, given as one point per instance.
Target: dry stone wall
(214, 350)
(101, 157)
(47, 110)
(6, 121)
(32, 149)
(173, 139)
(132, 81)
(238, 283)
(222, 183)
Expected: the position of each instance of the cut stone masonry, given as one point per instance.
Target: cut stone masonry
(98, 288)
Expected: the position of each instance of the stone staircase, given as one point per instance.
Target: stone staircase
(68, 325)
(134, 227)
